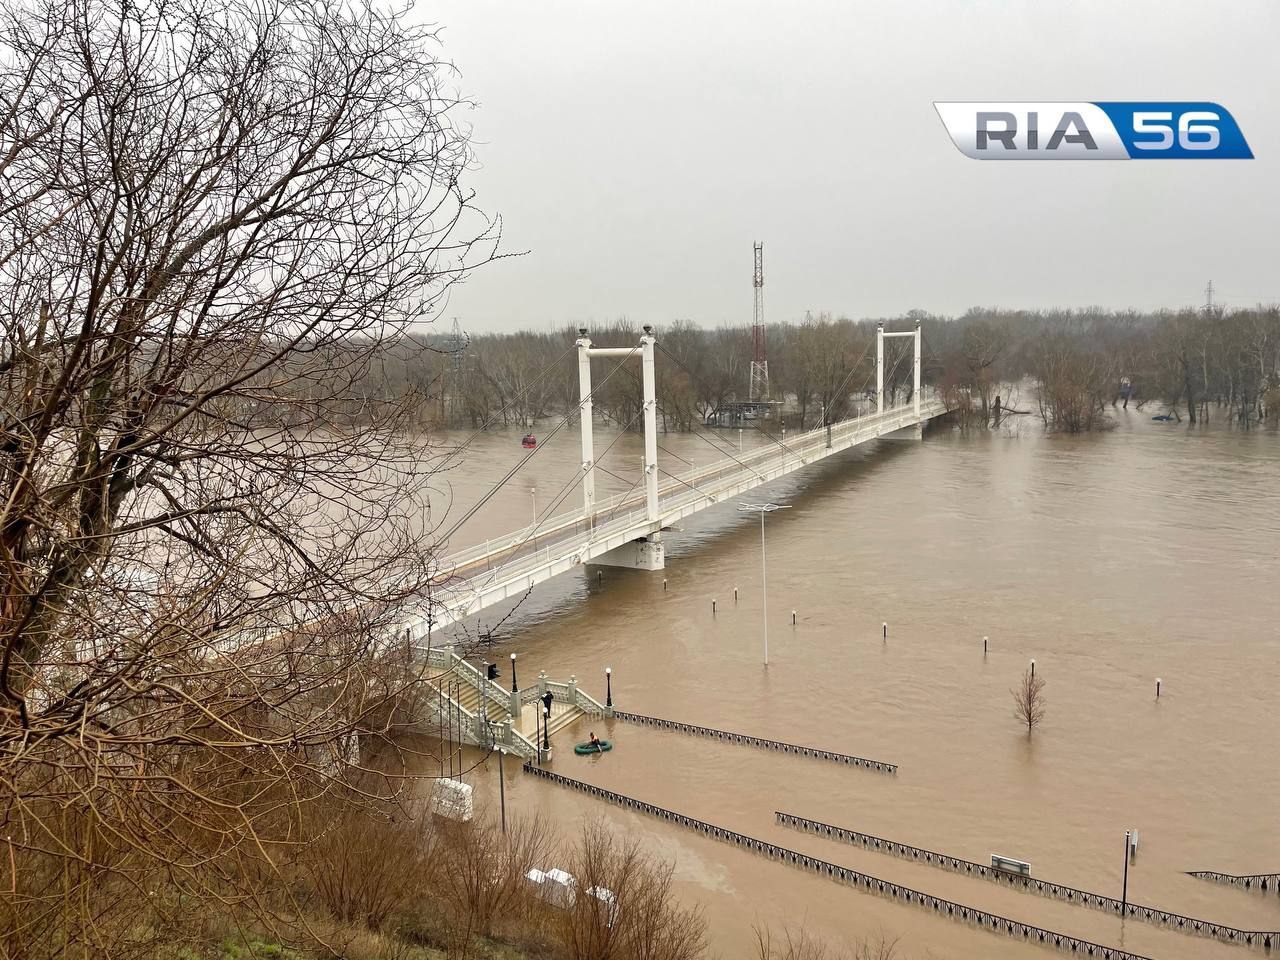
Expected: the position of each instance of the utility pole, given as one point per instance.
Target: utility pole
(758, 389)
(456, 347)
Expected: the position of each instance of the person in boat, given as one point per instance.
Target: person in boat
(594, 741)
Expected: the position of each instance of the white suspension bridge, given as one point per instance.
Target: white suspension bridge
(626, 531)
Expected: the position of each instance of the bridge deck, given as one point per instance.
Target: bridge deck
(502, 569)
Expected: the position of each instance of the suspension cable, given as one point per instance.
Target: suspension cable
(725, 450)
(704, 384)
(559, 498)
(456, 451)
(565, 420)
(857, 363)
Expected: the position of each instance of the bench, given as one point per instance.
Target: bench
(1009, 865)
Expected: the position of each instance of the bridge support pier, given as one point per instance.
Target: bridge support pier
(647, 553)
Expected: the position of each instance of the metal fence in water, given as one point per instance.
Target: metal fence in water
(1057, 891)
(860, 881)
(743, 739)
(1250, 881)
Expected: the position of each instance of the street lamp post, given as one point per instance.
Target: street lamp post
(1124, 895)
(763, 508)
(514, 688)
(546, 727)
(608, 686)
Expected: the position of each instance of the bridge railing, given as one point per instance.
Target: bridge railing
(760, 462)
(510, 557)
(573, 521)
(799, 448)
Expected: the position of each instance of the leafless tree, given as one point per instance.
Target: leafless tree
(1074, 385)
(218, 219)
(1028, 700)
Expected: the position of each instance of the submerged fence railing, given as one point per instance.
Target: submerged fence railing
(743, 739)
(1250, 881)
(1057, 891)
(860, 881)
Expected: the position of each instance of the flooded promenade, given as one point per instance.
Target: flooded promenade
(1112, 559)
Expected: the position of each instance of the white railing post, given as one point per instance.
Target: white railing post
(880, 367)
(650, 425)
(584, 416)
(514, 708)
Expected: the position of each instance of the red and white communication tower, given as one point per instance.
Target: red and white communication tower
(759, 388)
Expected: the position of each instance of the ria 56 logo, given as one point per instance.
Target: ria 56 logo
(1094, 131)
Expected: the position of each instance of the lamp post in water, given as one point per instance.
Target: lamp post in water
(514, 688)
(763, 508)
(1124, 894)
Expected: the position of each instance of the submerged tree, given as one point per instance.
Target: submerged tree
(1028, 700)
(218, 218)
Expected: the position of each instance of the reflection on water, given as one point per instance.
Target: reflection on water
(1151, 551)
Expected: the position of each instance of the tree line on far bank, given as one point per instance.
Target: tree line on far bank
(1195, 364)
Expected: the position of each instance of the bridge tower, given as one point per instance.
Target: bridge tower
(648, 553)
(915, 364)
(759, 385)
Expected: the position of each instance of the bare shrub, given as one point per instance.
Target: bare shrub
(803, 946)
(368, 862)
(1029, 700)
(642, 921)
(482, 875)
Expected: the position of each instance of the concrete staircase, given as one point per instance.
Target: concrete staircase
(562, 715)
(492, 716)
(467, 695)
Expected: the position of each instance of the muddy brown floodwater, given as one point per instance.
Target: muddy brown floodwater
(1150, 551)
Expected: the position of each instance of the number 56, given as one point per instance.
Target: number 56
(1195, 129)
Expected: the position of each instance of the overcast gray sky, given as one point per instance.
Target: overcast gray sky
(637, 149)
